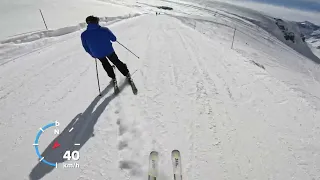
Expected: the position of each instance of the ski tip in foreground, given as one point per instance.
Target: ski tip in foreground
(176, 162)
(174, 152)
(153, 166)
(154, 153)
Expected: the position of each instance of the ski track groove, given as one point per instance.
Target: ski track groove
(73, 84)
(156, 74)
(29, 77)
(36, 50)
(126, 163)
(206, 100)
(203, 99)
(191, 127)
(47, 91)
(49, 87)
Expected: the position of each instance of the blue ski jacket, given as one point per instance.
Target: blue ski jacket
(97, 40)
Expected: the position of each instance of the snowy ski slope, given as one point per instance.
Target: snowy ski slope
(251, 112)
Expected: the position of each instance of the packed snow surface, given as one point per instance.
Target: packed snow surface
(247, 112)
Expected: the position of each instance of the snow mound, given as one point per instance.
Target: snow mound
(43, 34)
(21, 45)
(62, 31)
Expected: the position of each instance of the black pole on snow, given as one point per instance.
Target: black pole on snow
(43, 19)
(128, 50)
(98, 77)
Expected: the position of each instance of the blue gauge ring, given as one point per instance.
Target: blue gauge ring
(36, 145)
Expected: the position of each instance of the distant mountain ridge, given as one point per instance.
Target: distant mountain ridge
(312, 34)
(309, 29)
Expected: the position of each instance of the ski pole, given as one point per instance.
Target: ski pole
(98, 77)
(128, 49)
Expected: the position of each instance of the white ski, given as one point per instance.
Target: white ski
(176, 162)
(153, 165)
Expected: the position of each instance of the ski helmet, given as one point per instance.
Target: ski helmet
(92, 19)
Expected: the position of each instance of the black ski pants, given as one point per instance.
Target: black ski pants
(115, 60)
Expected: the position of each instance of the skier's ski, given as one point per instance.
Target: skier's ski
(133, 87)
(153, 165)
(115, 87)
(176, 162)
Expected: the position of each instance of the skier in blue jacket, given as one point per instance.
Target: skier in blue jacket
(97, 41)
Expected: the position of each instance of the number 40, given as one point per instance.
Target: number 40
(74, 155)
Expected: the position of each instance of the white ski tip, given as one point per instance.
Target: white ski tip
(154, 153)
(153, 164)
(175, 153)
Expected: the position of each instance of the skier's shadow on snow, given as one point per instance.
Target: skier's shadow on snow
(82, 130)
